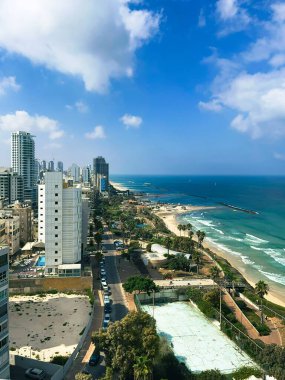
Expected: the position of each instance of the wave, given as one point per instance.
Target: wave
(255, 239)
(246, 260)
(223, 247)
(207, 223)
(219, 231)
(276, 255)
(279, 278)
(256, 248)
(229, 237)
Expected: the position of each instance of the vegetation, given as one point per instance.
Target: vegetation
(83, 376)
(139, 284)
(59, 359)
(261, 288)
(246, 372)
(178, 262)
(127, 340)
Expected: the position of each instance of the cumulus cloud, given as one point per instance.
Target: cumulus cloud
(79, 106)
(227, 9)
(94, 40)
(256, 97)
(22, 121)
(131, 121)
(233, 16)
(97, 133)
(8, 83)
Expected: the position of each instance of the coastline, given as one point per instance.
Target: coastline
(170, 215)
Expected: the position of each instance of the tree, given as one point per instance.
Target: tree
(215, 272)
(201, 236)
(167, 243)
(126, 340)
(197, 259)
(83, 376)
(142, 368)
(184, 227)
(261, 288)
(98, 239)
(140, 284)
(180, 228)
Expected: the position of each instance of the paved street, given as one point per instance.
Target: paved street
(119, 309)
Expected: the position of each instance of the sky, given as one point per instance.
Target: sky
(154, 86)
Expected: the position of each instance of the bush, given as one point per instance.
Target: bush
(212, 374)
(246, 372)
(60, 360)
(91, 296)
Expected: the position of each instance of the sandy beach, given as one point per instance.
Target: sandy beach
(43, 327)
(170, 215)
(118, 186)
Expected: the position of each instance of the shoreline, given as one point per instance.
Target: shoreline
(170, 218)
(170, 214)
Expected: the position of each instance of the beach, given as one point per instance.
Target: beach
(170, 215)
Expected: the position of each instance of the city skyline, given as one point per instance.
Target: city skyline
(186, 85)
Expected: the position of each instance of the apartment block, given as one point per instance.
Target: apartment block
(4, 326)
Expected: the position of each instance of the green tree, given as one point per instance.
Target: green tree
(139, 284)
(142, 368)
(215, 272)
(261, 288)
(83, 376)
(167, 242)
(180, 227)
(126, 340)
(98, 239)
(196, 257)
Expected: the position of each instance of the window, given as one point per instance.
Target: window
(55, 260)
(3, 310)
(56, 194)
(3, 276)
(56, 227)
(55, 219)
(56, 235)
(56, 186)
(55, 251)
(56, 211)
(56, 203)
(3, 342)
(55, 243)
(3, 260)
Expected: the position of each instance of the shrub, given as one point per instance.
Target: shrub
(246, 372)
(59, 359)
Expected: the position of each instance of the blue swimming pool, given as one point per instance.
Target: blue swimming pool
(41, 262)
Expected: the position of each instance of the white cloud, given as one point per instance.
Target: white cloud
(227, 9)
(279, 156)
(212, 105)
(79, 106)
(22, 121)
(131, 121)
(8, 83)
(201, 19)
(94, 40)
(97, 133)
(256, 97)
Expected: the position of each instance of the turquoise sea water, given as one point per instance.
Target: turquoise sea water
(257, 240)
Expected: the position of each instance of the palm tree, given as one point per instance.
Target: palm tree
(189, 226)
(197, 259)
(167, 243)
(98, 239)
(184, 227)
(215, 272)
(201, 236)
(180, 227)
(142, 368)
(261, 288)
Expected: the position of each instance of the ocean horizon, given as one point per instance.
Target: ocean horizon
(254, 237)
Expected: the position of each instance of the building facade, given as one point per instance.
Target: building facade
(60, 221)
(12, 231)
(23, 162)
(25, 214)
(11, 186)
(4, 323)
(100, 169)
(75, 172)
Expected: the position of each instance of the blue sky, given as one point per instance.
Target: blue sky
(157, 87)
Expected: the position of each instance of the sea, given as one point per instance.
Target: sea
(252, 231)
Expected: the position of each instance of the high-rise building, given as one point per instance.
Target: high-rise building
(4, 332)
(51, 166)
(23, 162)
(100, 169)
(75, 172)
(60, 222)
(43, 165)
(11, 186)
(85, 175)
(37, 169)
(60, 166)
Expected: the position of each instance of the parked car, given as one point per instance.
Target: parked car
(35, 373)
(105, 287)
(94, 359)
(106, 299)
(103, 272)
(108, 308)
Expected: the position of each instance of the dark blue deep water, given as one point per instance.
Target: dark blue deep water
(256, 240)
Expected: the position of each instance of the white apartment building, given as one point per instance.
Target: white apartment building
(4, 328)
(60, 221)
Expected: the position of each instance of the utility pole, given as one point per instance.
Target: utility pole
(220, 306)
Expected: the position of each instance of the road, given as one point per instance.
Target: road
(119, 308)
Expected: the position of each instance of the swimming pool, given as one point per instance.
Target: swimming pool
(41, 262)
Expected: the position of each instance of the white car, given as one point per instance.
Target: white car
(106, 299)
(35, 373)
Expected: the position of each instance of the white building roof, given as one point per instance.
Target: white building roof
(69, 266)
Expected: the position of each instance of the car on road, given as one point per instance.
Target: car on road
(106, 299)
(94, 359)
(103, 272)
(108, 308)
(105, 287)
(35, 373)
